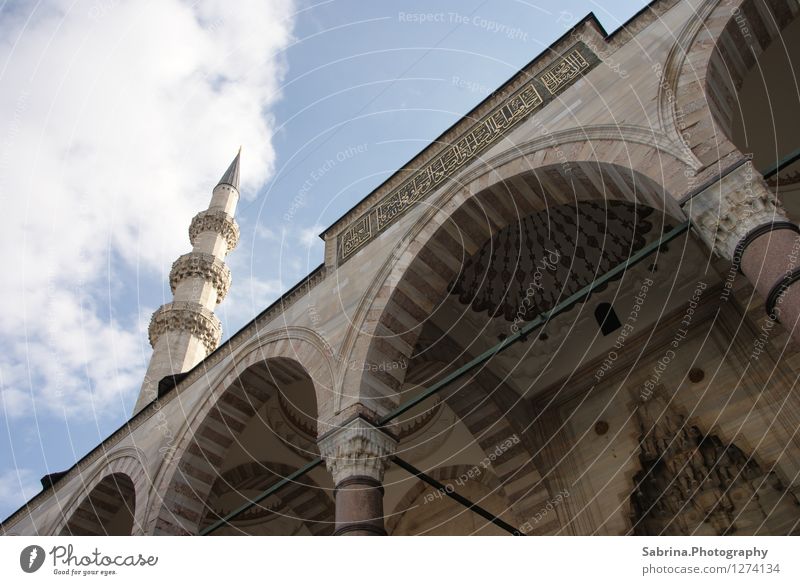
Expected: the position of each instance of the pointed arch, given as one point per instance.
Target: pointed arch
(116, 493)
(186, 477)
(708, 62)
(430, 253)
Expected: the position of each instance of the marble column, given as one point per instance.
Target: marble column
(357, 454)
(741, 220)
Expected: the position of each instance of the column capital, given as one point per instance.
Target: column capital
(729, 210)
(356, 448)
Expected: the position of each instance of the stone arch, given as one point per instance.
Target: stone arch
(187, 475)
(710, 60)
(563, 173)
(304, 500)
(496, 421)
(430, 254)
(119, 486)
(447, 475)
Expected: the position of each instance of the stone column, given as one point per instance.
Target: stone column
(741, 220)
(357, 454)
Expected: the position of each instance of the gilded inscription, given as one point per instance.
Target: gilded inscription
(465, 148)
(458, 154)
(356, 235)
(563, 72)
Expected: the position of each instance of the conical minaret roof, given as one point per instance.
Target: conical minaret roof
(231, 176)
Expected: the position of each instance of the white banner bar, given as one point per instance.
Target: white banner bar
(348, 560)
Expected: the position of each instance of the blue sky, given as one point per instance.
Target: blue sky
(118, 117)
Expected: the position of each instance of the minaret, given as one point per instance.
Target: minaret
(186, 330)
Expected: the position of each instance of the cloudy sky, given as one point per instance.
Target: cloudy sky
(117, 118)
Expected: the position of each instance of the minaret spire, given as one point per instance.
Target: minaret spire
(186, 330)
(231, 176)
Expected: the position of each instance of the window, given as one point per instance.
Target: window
(607, 318)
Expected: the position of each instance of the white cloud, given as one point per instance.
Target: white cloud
(116, 119)
(309, 236)
(262, 232)
(17, 486)
(248, 298)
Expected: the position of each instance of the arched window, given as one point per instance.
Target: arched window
(607, 318)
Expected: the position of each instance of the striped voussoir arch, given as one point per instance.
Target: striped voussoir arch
(118, 484)
(443, 475)
(476, 404)
(720, 54)
(303, 499)
(494, 414)
(200, 454)
(205, 453)
(418, 275)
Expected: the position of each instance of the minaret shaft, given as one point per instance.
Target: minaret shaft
(183, 332)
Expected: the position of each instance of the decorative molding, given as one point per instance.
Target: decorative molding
(214, 220)
(188, 317)
(290, 427)
(357, 449)
(692, 482)
(558, 262)
(465, 149)
(201, 265)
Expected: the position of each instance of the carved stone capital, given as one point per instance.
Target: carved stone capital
(357, 449)
(737, 204)
(205, 266)
(215, 221)
(188, 317)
